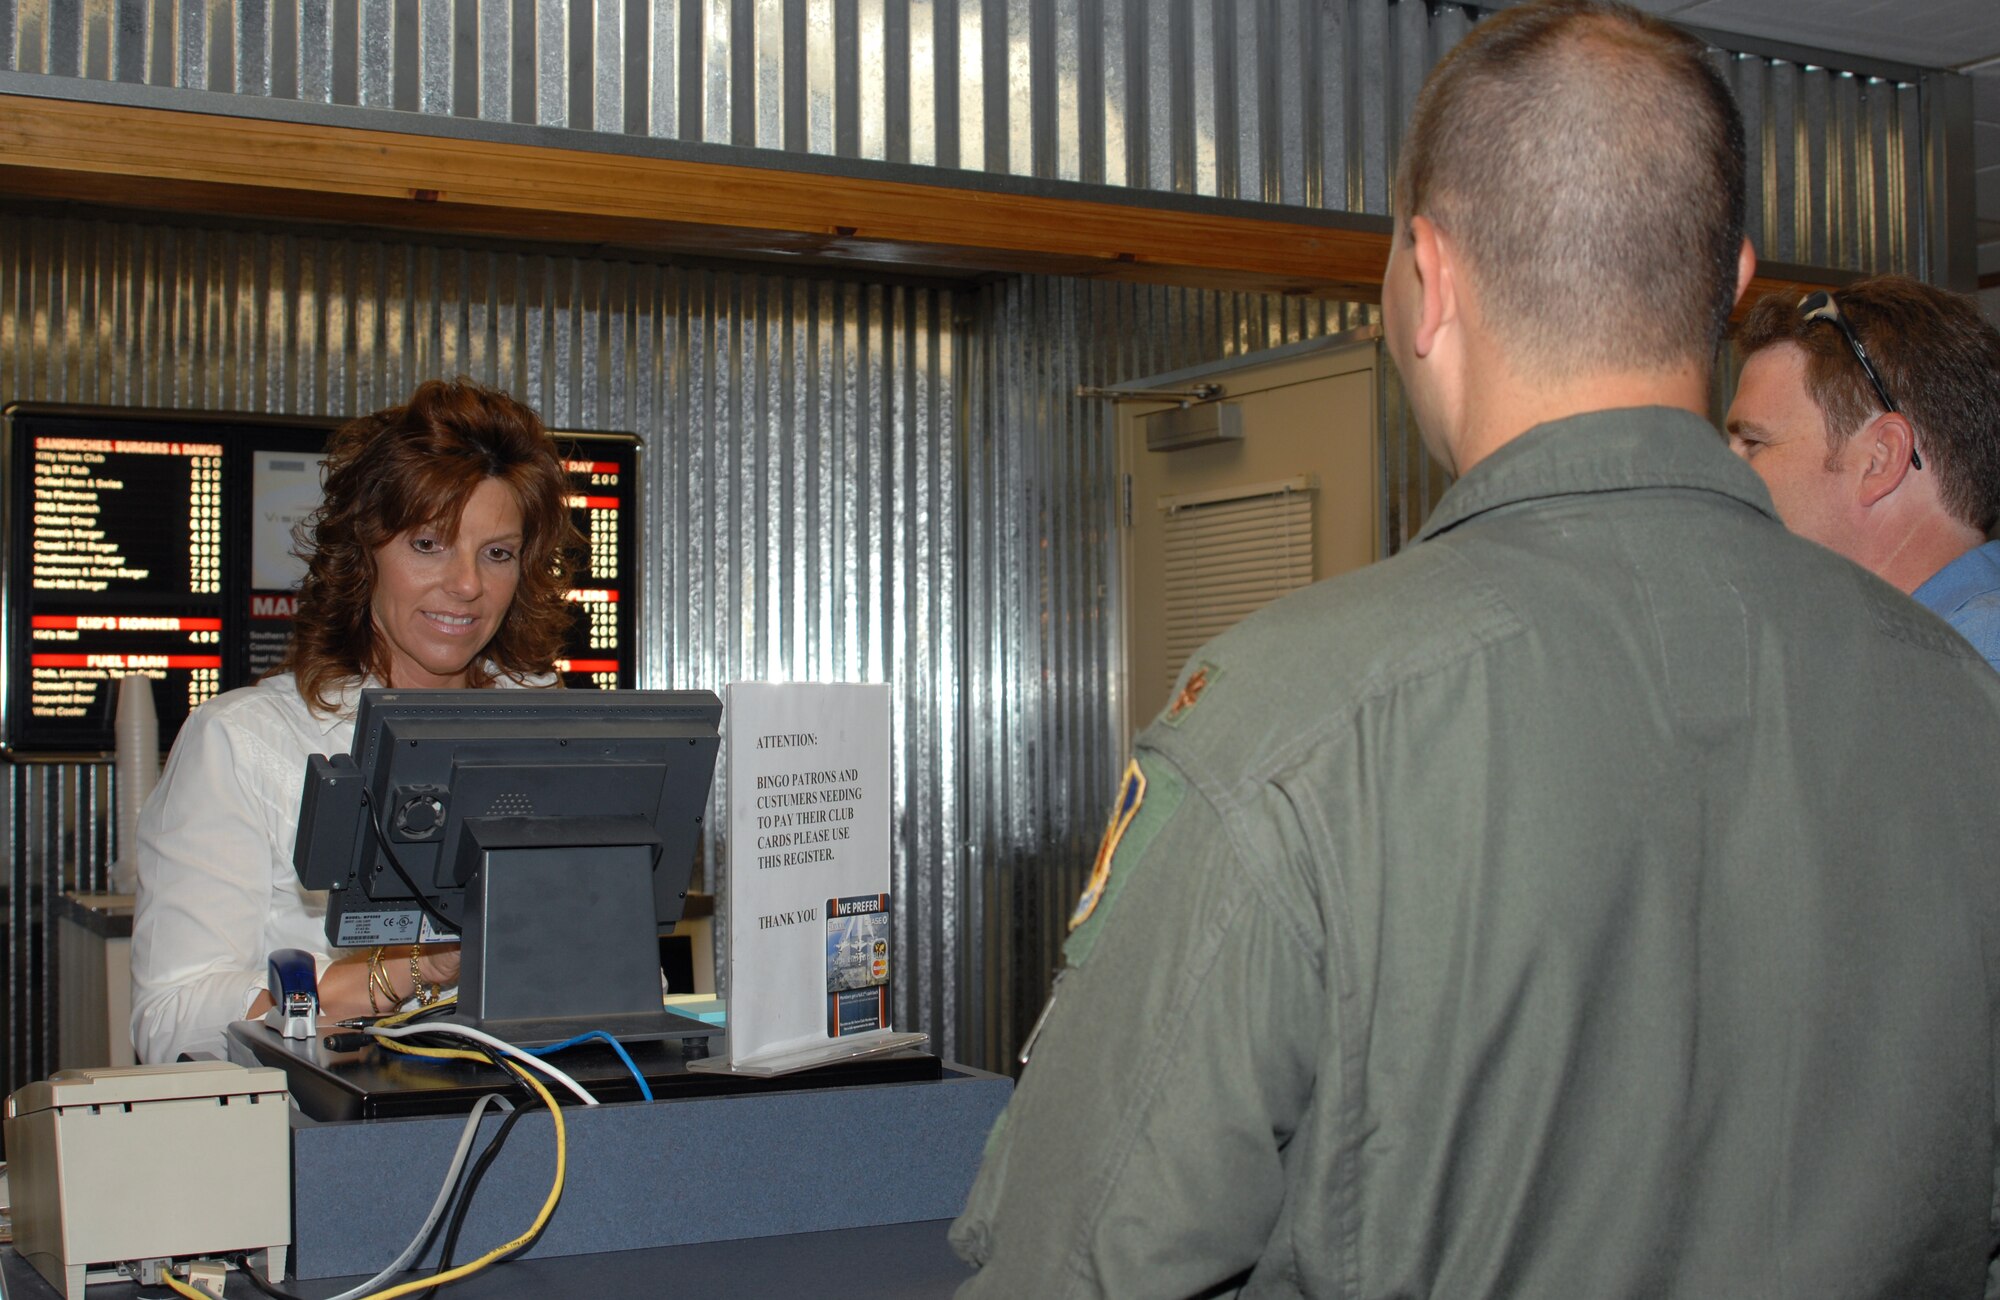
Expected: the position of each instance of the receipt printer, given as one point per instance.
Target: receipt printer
(131, 1164)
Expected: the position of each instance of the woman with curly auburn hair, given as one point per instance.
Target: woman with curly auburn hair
(439, 557)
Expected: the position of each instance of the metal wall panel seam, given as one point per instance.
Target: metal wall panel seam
(1084, 62)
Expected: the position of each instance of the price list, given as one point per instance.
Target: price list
(205, 523)
(124, 578)
(601, 504)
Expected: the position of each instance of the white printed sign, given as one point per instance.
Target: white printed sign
(810, 953)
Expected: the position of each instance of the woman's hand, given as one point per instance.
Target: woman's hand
(343, 986)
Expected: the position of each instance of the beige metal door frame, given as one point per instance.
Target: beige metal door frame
(1310, 412)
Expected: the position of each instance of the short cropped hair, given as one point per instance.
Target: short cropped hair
(1589, 161)
(413, 466)
(1938, 358)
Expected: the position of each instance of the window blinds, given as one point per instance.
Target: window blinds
(1228, 554)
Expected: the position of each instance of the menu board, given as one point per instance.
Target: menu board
(109, 536)
(606, 513)
(161, 544)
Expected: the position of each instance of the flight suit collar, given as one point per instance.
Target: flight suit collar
(1602, 451)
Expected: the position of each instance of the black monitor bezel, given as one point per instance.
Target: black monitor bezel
(497, 717)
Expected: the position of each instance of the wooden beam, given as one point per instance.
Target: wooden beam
(217, 164)
(208, 163)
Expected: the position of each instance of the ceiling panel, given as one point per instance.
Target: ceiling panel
(1949, 34)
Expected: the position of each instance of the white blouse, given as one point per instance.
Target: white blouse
(217, 891)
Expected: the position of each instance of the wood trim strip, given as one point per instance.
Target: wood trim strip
(236, 166)
(201, 162)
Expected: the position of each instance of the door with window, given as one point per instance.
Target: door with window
(1213, 532)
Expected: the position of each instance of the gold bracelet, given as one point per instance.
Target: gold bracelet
(423, 993)
(390, 998)
(380, 981)
(374, 969)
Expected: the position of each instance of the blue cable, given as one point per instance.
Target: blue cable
(616, 1046)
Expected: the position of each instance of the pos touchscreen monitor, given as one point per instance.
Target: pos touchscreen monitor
(551, 831)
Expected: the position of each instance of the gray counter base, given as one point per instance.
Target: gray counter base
(655, 1174)
(903, 1261)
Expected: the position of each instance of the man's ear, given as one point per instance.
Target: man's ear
(1746, 268)
(1437, 281)
(1889, 439)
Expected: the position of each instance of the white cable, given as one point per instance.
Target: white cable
(481, 1036)
(416, 1245)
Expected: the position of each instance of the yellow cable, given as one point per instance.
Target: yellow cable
(400, 1017)
(445, 1053)
(498, 1253)
(548, 1206)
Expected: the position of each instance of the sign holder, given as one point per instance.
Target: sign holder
(811, 959)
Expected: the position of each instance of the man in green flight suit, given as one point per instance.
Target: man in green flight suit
(1596, 899)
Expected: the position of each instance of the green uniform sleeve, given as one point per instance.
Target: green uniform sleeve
(1144, 1150)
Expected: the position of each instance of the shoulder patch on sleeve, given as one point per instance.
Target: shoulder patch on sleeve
(1131, 793)
(1145, 802)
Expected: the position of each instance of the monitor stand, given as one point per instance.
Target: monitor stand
(561, 933)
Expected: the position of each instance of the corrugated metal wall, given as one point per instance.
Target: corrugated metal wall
(1044, 655)
(1280, 100)
(1277, 101)
(58, 838)
(1836, 165)
(844, 481)
(802, 468)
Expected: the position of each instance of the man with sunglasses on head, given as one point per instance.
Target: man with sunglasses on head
(1873, 415)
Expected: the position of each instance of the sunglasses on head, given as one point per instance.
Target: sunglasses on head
(1820, 305)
